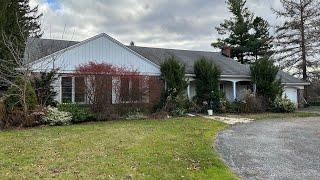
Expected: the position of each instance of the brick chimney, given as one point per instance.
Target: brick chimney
(226, 51)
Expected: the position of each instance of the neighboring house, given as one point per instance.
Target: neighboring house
(47, 54)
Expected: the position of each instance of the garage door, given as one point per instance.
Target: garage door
(292, 94)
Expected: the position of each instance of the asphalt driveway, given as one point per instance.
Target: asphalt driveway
(273, 149)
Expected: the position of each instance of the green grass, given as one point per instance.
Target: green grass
(311, 109)
(261, 116)
(142, 149)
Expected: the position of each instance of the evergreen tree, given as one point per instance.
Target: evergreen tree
(247, 35)
(264, 75)
(173, 73)
(173, 98)
(207, 83)
(18, 21)
(43, 86)
(260, 40)
(297, 38)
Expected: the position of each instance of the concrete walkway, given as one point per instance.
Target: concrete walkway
(229, 120)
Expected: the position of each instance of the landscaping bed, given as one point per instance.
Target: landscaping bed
(138, 149)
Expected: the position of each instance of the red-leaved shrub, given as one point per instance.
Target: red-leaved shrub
(112, 92)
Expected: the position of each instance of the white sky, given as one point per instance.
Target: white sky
(181, 24)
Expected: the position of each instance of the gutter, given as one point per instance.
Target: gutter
(224, 76)
(297, 84)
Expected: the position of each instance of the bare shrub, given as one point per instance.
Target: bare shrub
(254, 103)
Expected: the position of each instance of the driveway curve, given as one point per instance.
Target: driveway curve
(273, 149)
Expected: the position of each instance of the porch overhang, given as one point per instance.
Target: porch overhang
(234, 79)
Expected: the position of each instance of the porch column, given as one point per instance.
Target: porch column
(234, 84)
(254, 88)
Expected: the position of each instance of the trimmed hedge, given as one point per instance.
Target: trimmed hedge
(80, 113)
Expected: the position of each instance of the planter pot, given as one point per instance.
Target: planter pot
(210, 112)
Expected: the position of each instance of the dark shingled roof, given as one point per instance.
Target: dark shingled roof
(38, 48)
(226, 65)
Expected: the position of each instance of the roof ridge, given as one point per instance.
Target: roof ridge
(173, 49)
(54, 39)
(134, 46)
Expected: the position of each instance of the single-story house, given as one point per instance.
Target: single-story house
(46, 54)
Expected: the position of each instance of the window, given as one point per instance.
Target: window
(73, 89)
(79, 90)
(247, 85)
(125, 89)
(135, 90)
(66, 87)
(132, 90)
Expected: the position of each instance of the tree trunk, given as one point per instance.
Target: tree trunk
(303, 49)
(24, 100)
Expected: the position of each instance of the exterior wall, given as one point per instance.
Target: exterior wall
(228, 90)
(301, 100)
(242, 91)
(100, 49)
(192, 90)
(57, 88)
(157, 84)
(155, 87)
(292, 93)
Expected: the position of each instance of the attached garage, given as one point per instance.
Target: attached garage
(292, 93)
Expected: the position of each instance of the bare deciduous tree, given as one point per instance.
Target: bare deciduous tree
(298, 36)
(26, 68)
(8, 76)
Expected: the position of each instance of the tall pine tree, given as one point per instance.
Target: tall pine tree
(298, 36)
(260, 41)
(18, 21)
(248, 36)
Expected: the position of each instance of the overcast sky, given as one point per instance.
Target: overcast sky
(182, 24)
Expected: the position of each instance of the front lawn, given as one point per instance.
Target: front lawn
(141, 149)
